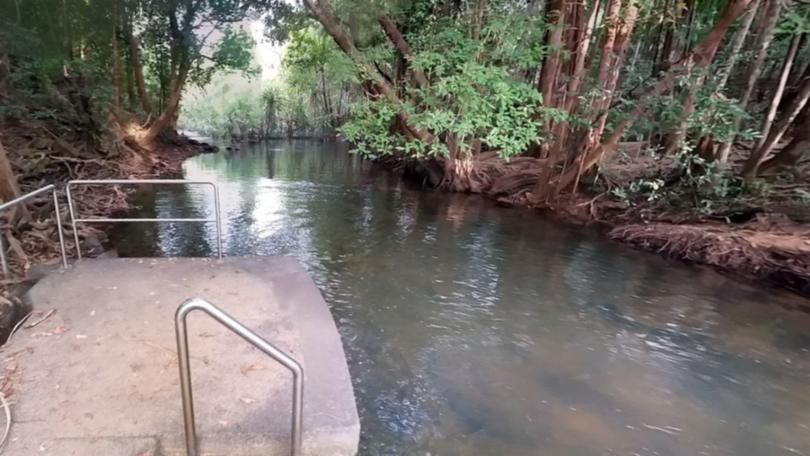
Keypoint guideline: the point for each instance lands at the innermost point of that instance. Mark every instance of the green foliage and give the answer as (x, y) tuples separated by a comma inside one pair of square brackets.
[(234, 52), (319, 75), (369, 130), (649, 189), (228, 107), (477, 90), (715, 115), (796, 19)]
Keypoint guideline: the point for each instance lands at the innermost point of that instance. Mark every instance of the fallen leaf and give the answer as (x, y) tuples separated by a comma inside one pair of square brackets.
[(250, 367)]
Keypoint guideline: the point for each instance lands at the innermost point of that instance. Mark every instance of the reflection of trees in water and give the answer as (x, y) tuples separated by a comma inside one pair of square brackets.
[(187, 239), (168, 239)]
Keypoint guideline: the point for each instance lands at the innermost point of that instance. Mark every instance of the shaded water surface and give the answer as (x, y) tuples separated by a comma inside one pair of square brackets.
[(477, 330)]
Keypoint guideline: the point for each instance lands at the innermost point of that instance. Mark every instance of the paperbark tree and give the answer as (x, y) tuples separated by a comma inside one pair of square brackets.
[(764, 37), (766, 143), (699, 58)]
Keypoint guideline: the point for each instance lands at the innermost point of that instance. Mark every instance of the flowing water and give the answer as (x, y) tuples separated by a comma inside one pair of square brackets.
[(478, 330)]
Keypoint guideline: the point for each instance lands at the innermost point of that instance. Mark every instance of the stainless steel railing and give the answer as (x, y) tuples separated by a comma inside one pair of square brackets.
[(26, 197), (255, 340), (74, 220)]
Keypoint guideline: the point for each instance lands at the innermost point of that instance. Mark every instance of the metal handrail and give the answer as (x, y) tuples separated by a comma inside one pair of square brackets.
[(26, 197), (242, 331), (217, 218)]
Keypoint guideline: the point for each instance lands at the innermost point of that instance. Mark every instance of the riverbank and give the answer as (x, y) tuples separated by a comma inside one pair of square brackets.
[(762, 233), (772, 249), (40, 157)]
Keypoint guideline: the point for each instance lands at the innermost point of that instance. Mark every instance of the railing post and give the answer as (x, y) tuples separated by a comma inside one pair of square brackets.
[(59, 228), (3, 255), (219, 220), (181, 332), (22, 199), (73, 222), (185, 378)]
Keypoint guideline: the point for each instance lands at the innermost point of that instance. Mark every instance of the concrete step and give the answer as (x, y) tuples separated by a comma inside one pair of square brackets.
[(104, 364), (44, 446)]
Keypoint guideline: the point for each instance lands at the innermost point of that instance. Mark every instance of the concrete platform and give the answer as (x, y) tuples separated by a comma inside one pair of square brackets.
[(100, 376)]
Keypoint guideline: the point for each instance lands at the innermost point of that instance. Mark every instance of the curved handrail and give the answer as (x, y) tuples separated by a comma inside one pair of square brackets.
[(257, 341), (48, 188)]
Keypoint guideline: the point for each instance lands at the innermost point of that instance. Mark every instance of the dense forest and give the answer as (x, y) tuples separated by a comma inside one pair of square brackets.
[(633, 112)]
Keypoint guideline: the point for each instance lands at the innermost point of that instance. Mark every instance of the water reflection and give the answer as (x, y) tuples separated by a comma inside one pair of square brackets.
[(477, 330)]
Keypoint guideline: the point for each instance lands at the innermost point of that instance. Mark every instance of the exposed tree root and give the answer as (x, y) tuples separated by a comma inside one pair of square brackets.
[(781, 257), (40, 157)]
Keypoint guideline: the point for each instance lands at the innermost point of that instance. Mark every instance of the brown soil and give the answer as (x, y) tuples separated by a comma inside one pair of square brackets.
[(41, 157)]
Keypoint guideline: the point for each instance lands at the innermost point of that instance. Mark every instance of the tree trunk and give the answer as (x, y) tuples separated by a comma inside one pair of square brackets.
[(771, 17), (551, 64), (8, 180), (677, 137), (116, 76), (766, 143), (402, 46), (480, 15), (701, 57), (601, 102), (793, 152), (578, 43), (137, 68), (168, 117), (737, 43), (581, 54), (327, 108), (706, 144), (4, 72), (322, 11), (663, 59), (798, 104), (616, 56)]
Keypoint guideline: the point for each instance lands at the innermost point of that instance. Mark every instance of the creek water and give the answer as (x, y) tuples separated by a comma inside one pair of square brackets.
[(477, 330)]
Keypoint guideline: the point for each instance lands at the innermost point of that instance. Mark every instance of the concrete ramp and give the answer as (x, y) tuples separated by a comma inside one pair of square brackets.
[(100, 376)]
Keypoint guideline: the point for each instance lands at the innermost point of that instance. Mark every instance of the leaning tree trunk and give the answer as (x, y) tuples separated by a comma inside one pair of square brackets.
[(737, 43), (168, 117), (766, 143), (797, 106), (322, 12), (396, 38), (793, 152), (705, 147), (763, 41)]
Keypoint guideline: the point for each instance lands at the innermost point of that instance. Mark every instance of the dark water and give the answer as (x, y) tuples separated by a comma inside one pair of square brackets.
[(476, 330)]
